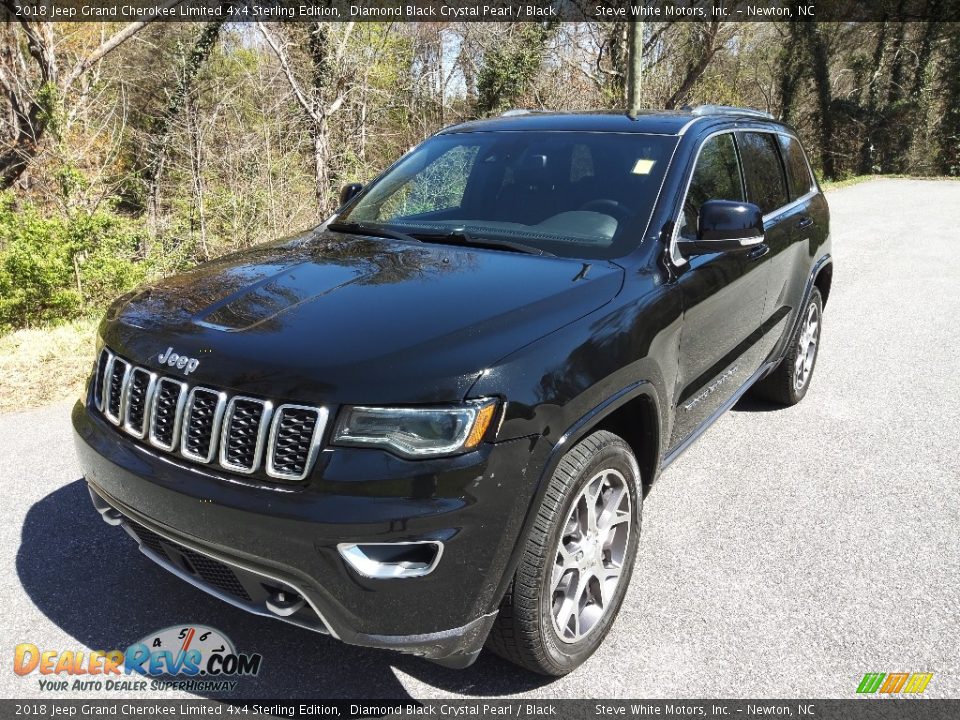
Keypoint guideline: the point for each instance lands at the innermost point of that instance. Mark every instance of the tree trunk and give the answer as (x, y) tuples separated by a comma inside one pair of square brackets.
[(635, 68), (930, 32), (791, 71), (696, 69), (820, 65), (872, 90), (321, 164), (160, 131)]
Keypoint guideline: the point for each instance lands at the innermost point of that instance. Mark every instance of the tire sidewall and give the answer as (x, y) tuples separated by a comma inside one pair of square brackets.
[(566, 656)]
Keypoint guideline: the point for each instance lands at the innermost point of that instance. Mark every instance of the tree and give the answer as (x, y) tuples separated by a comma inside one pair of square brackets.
[(32, 107), (323, 95), (510, 66)]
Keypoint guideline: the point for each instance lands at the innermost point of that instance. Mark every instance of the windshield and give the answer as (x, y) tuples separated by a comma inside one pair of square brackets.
[(573, 194)]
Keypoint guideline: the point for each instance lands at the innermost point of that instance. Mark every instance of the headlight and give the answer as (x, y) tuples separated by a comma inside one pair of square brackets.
[(416, 432)]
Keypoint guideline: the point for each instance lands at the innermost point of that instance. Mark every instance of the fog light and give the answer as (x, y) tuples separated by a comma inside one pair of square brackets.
[(392, 560)]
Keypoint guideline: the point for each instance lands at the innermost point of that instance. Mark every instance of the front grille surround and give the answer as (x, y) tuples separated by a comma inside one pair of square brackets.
[(130, 409), (242, 434), (228, 433), (273, 469), (160, 405), (115, 388), (99, 377)]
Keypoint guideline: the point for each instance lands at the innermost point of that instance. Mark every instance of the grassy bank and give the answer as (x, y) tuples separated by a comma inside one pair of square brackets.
[(44, 365)]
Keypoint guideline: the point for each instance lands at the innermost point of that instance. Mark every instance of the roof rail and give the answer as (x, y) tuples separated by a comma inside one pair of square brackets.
[(513, 112), (730, 110)]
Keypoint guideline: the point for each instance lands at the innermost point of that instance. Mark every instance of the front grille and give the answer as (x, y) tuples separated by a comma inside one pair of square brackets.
[(206, 568), (118, 372), (293, 441), (201, 420), (139, 391), (167, 405), (205, 425), (244, 428), (105, 357)]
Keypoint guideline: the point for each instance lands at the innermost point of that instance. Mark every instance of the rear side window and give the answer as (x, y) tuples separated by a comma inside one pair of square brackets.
[(716, 177), (766, 185), (798, 172)]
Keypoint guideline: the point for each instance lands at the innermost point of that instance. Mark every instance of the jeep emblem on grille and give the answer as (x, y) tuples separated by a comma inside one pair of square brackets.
[(181, 362)]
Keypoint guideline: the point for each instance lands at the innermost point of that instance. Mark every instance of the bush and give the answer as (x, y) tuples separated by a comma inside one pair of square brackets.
[(54, 268)]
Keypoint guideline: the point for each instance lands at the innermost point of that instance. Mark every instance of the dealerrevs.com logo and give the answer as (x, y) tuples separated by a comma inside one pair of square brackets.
[(894, 683), (199, 658)]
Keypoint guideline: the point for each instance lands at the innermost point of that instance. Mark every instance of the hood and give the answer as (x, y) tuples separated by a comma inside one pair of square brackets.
[(333, 318)]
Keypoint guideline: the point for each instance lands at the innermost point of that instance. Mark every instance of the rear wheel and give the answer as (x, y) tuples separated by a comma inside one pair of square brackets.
[(577, 563), (789, 383)]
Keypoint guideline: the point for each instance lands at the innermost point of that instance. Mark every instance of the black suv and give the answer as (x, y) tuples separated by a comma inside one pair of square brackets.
[(429, 423)]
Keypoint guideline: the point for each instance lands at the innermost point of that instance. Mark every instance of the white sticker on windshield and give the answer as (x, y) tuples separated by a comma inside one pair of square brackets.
[(643, 166)]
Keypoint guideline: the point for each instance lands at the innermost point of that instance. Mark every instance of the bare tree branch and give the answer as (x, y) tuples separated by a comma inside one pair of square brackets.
[(291, 78)]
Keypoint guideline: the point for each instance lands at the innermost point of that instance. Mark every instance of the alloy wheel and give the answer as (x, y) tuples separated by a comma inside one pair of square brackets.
[(807, 347), (588, 560)]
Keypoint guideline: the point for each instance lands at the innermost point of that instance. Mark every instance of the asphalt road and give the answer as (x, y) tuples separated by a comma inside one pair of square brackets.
[(784, 555)]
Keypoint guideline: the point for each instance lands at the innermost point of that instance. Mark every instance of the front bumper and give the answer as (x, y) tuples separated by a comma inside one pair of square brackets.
[(284, 538)]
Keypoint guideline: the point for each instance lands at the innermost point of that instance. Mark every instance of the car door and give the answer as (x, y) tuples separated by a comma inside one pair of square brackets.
[(804, 216), (767, 187), (723, 295)]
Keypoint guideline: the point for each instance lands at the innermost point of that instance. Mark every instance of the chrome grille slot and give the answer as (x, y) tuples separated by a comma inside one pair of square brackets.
[(117, 375), (244, 427), (99, 376), (294, 441), (139, 392), (168, 400), (201, 423)]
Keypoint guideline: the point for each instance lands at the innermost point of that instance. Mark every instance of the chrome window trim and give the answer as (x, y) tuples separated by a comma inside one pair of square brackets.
[(214, 428), (673, 252), (318, 429), (261, 434), (108, 386), (177, 418), (147, 400)]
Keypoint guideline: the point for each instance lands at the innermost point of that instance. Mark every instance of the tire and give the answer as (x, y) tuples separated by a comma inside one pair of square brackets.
[(529, 629), (788, 384)]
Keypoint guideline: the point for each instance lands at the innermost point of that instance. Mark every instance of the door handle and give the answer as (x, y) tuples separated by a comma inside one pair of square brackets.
[(758, 252), (804, 223)]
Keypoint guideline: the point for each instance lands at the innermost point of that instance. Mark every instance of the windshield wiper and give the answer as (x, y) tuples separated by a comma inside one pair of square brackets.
[(458, 237), (356, 228)]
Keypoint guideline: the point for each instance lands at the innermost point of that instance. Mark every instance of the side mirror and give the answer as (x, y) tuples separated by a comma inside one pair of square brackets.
[(725, 225), (348, 192)]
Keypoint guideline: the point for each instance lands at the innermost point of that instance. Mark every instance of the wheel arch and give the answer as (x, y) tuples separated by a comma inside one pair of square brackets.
[(823, 280), (637, 403)]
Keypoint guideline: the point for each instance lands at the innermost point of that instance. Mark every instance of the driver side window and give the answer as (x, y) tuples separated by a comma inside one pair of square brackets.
[(716, 177)]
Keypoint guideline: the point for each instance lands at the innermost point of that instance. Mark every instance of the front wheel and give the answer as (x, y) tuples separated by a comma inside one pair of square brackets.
[(577, 563), (790, 381)]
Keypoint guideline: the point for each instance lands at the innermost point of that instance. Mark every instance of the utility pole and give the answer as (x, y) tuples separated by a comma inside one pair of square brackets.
[(634, 67)]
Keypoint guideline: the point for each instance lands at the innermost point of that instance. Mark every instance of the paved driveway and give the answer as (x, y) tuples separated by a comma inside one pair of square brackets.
[(784, 555)]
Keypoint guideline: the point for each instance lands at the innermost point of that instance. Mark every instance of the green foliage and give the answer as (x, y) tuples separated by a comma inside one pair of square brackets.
[(509, 69), (54, 268)]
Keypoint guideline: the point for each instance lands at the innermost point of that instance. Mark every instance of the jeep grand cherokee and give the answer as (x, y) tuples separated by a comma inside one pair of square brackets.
[(429, 423)]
